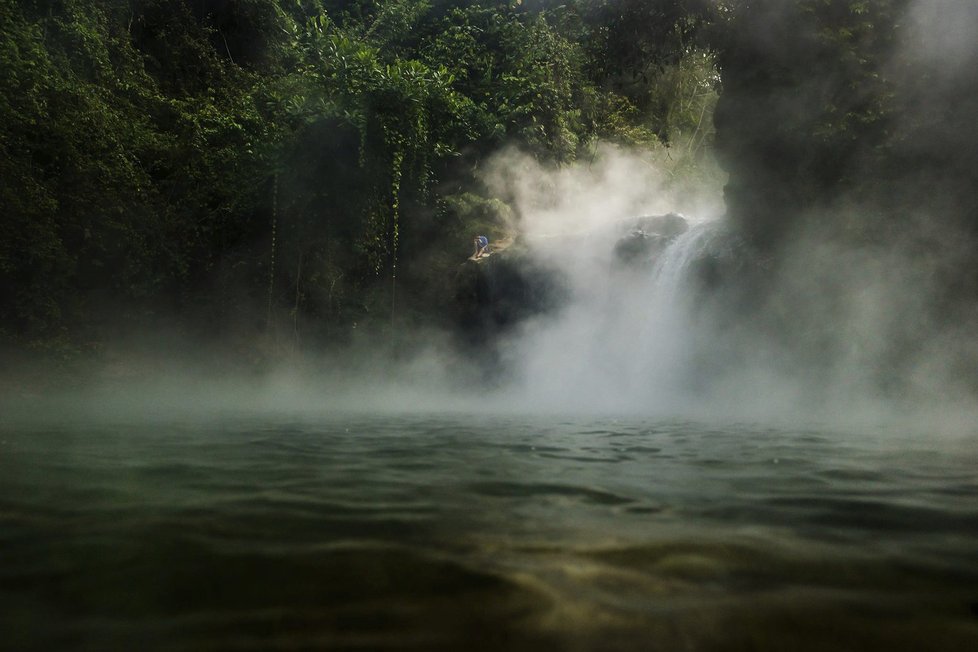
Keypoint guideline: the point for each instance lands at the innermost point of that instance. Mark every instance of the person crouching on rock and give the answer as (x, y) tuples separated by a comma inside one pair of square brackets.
[(481, 243)]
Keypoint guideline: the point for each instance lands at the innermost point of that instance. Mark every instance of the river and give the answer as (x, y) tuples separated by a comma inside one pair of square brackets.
[(479, 532)]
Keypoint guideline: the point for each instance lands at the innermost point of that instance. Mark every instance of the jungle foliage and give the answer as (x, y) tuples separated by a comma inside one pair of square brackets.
[(831, 102), (240, 165), (848, 130), (303, 167)]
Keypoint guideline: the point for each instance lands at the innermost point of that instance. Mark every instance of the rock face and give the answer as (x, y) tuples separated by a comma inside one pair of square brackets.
[(644, 238), (494, 294)]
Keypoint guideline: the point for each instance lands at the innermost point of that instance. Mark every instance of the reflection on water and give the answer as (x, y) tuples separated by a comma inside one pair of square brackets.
[(447, 532)]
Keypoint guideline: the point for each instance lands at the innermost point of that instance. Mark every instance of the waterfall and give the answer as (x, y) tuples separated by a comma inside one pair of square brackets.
[(626, 337), (673, 264)]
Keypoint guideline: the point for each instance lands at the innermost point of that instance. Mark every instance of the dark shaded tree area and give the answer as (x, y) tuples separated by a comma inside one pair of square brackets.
[(804, 105), (133, 158), (849, 127), (826, 102), (239, 165), (303, 167)]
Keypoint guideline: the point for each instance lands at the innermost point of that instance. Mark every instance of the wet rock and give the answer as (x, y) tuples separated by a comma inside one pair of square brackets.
[(669, 225), (493, 294), (645, 238)]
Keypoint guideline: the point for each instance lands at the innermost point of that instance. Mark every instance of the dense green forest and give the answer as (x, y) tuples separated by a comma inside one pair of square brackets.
[(238, 164), (233, 167), (848, 129)]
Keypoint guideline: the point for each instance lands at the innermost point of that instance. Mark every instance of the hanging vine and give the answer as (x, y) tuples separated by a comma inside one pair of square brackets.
[(271, 262), (396, 169)]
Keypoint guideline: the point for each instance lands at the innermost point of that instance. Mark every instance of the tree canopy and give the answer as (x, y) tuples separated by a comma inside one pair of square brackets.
[(241, 162), (233, 165)]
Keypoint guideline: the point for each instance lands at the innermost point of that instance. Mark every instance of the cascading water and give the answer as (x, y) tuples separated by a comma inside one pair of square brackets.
[(625, 339), (673, 265)]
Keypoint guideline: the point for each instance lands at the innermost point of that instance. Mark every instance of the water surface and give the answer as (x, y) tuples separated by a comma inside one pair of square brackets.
[(478, 532)]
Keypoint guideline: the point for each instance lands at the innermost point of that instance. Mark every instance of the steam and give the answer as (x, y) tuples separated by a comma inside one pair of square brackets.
[(843, 331), (612, 185), (942, 34), (865, 303), (626, 338)]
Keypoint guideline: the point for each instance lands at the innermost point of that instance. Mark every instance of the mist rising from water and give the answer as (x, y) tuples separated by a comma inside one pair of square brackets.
[(642, 340), (862, 305), (630, 340), (645, 339), (627, 337)]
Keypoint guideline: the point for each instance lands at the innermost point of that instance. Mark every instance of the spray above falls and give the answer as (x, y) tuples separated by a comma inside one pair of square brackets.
[(625, 338), (622, 337)]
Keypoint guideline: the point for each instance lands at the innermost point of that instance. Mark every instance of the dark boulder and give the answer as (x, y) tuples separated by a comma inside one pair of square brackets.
[(494, 294), (645, 238)]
